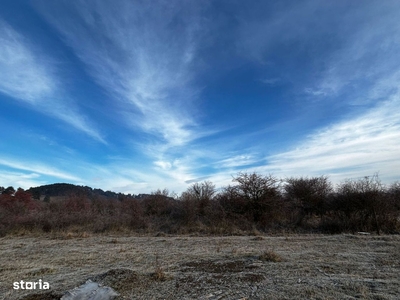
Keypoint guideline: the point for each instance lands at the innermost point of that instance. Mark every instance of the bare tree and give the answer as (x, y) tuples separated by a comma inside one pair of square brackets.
[(202, 191), (259, 192), (201, 194)]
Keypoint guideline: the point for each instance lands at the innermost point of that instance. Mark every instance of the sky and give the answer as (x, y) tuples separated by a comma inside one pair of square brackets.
[(134, 96)]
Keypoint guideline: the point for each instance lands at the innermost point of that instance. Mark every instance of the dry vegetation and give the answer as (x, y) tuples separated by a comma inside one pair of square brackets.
[(196, 267), (256, 203)]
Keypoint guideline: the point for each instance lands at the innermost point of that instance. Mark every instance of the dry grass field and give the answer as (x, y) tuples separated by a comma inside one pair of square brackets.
[(192, 267)]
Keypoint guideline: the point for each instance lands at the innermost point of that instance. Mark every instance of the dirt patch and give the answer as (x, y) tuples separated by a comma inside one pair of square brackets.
[(219, 266)]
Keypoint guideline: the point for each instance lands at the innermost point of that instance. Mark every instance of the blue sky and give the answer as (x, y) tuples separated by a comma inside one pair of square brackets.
[(132, 96)]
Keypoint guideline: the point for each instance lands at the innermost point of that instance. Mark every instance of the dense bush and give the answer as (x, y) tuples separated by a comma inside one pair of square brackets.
[(307, 197), (253, 203), (365, 205)]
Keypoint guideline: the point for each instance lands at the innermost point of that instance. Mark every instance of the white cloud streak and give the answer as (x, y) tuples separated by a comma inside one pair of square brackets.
[(368, 52), (23, 76), (26, 75), (141, 54), (237, 161), (19, 179), (351, 44), (363, 146), (37, 168), (127, 177)]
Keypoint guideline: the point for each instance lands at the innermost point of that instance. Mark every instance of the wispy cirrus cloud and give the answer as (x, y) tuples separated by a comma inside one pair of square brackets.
[(358, 147), (28, 76), (237, 161), (24, 76), (126, 176), (36, 168), (141, 54), (367, 54), (351, 45), (20, 179)]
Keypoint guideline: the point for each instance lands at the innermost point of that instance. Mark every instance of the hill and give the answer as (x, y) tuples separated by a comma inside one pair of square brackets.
[(67, 189)]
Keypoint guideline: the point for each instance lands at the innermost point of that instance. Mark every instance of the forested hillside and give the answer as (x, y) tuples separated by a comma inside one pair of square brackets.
[(66, 189)]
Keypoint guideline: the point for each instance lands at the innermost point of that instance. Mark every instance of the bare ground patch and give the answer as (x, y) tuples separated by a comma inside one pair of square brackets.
[(184, 267)]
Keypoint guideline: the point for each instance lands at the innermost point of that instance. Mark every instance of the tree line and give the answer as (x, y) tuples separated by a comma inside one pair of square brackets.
[(253, 203)]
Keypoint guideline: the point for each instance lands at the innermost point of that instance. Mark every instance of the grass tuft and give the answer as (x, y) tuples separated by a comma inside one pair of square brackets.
[(159, 274), (271, 256)]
